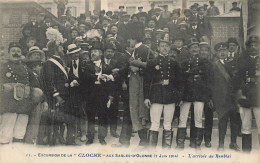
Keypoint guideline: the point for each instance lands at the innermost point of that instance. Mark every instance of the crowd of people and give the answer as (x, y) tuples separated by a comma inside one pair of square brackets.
[(65, 74)]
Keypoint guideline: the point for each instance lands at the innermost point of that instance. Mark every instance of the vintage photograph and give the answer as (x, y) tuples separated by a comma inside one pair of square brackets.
[(129, 81)]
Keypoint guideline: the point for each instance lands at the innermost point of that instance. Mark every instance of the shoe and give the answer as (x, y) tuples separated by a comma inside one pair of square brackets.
[(83, 138), (221, 148), (246, 143), (167, 139), (18, 140), (234, 146), (180, 139), (153, 138), (120, 145), (71, 142), (90, 141), (199, 137), (143, 137), (102, 142), (61, 139), (114, 134), (208, 144), (192, 144), (4, 143)]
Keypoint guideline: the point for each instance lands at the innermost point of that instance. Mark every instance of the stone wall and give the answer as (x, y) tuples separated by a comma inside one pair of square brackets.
[(13, 16), (223, 28)]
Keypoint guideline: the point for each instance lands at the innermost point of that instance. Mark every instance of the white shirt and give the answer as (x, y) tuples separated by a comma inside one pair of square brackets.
[(194, 27), (107, 61), (231, 54), (174, 21), (222, 61), (75, 70), (136, 46), (98, 64), (157, 17)]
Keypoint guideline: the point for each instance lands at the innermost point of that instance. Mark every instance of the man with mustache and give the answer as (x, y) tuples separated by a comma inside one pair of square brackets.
[(248, 77), (195, 91), (17, 96), (222, 88)]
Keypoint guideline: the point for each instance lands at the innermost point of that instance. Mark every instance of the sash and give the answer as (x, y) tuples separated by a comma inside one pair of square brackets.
[(223, 71), (59, 65)]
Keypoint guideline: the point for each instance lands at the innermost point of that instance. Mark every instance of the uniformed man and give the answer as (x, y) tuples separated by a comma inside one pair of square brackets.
[(195, 77), (205, 54), (162, 90), (249, 75), (18, 97)]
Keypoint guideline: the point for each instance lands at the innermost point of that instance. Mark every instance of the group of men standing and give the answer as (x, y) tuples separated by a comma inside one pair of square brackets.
[(173, 75)]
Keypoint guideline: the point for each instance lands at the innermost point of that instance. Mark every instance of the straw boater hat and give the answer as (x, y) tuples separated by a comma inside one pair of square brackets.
[(72, 48), (36, 49)]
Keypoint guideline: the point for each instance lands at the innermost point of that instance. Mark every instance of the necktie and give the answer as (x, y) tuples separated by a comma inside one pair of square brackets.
[(74, 64)]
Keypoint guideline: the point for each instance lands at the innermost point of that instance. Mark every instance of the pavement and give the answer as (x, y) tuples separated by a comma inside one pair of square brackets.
[(18, 152)]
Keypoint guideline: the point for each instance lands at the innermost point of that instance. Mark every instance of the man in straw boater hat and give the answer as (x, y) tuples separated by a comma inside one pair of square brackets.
[(56, 87), (162, 91), (75, 72), (222, 89), (99, 80), (35, 131), (249, 75), (18, 96)]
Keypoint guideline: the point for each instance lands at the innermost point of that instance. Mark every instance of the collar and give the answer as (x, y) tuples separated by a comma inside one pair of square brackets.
[(56, 56), (222, 61), (194, 27), (163, 55), (253, 57), (107, 60), (77, 61), (138, 45), (97, 63), (128, 52)]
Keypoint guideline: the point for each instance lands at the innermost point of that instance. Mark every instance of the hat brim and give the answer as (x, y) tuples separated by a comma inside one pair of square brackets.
[(193, 44), (74, 51), (36, 51), (160, 41)]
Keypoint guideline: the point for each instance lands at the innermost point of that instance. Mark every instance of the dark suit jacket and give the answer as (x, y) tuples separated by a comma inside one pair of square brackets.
[(173, 28), (98, 93), (55, 80), (222, 90), (204, 26), (194, 32)]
